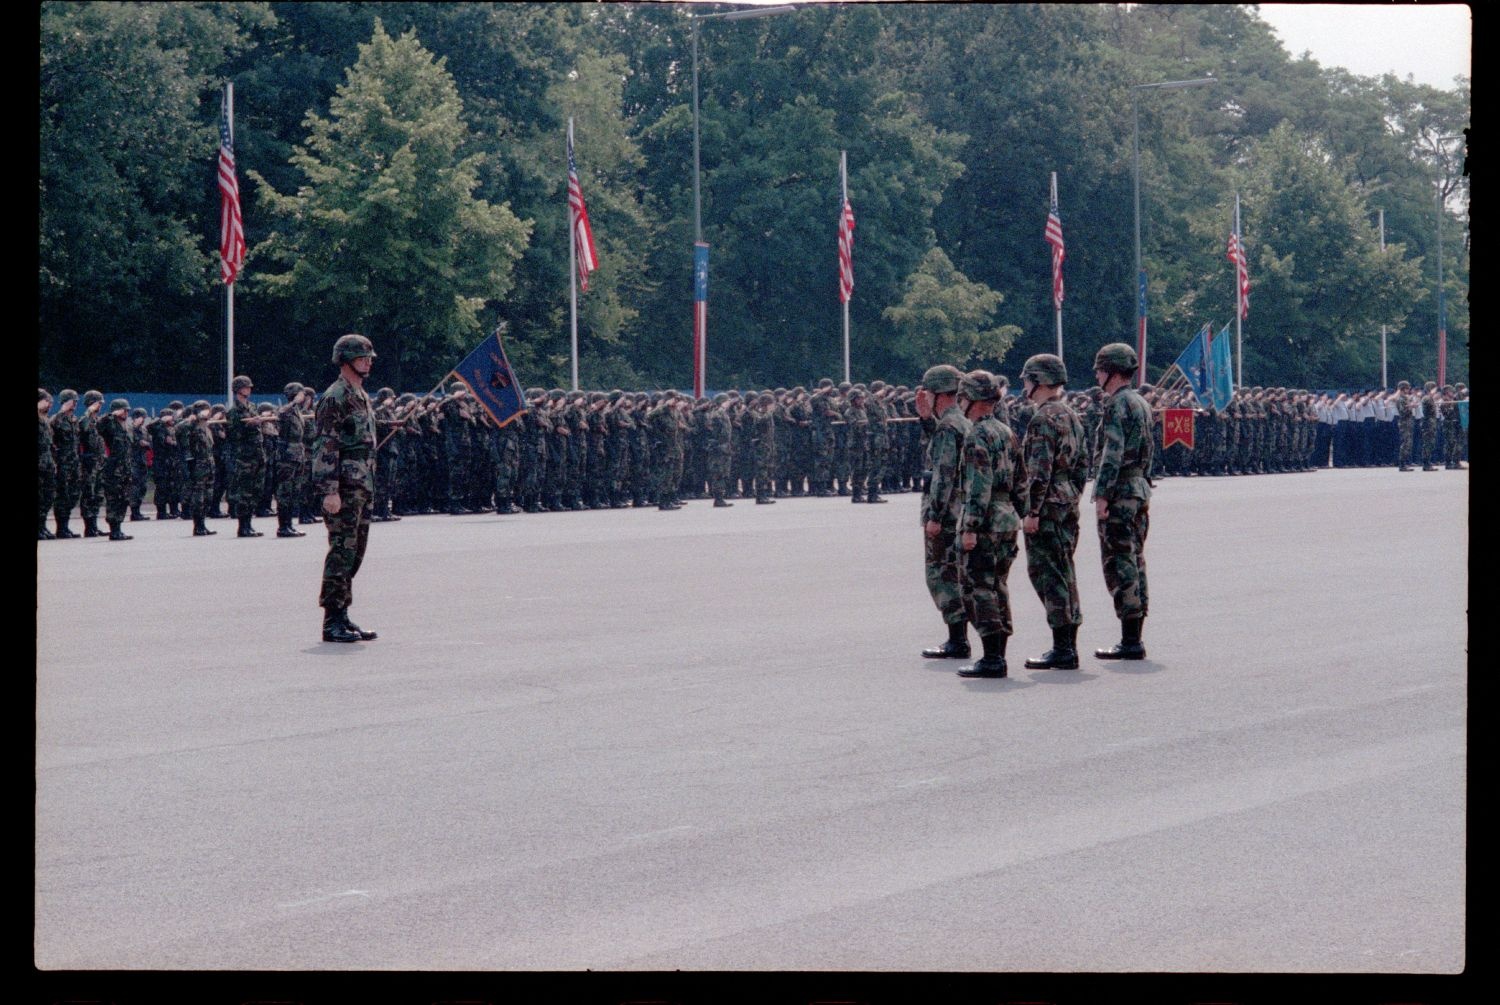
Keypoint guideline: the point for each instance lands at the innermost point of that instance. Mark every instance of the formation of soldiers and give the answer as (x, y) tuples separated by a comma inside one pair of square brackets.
[(574, 450)]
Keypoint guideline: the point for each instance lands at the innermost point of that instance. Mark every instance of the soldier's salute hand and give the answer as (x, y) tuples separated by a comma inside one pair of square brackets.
[(332, 504)]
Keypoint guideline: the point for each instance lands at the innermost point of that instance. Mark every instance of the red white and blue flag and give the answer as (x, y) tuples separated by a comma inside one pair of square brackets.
[(231, 224), (1236, 254), (846, 253), (583, 235), (1054, 237)]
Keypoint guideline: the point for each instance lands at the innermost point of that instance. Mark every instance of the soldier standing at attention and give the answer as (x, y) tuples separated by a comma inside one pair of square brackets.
[(291, 458), (245, 463), (1122, 495), (343, 471), (1052, 452), (987, 522), (63, 432), (46, 465), (91, 454), (115, 475), (940, 510)]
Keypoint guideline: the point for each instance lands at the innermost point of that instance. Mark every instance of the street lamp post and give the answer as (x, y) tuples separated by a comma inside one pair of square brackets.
[(700, 249), (1135, 146), (1442, 360)]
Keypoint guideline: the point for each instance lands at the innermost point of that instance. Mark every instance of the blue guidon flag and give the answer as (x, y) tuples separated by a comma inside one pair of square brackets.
[(487, 374)]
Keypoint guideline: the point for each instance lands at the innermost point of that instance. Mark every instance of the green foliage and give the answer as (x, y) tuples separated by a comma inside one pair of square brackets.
[(386, 237), (944, 316)]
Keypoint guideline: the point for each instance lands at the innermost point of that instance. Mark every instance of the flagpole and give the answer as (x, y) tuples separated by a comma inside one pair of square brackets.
[(573, 271), (1239, 299), (844, 188), (1057, 307), (1385, 380), (229, 287)]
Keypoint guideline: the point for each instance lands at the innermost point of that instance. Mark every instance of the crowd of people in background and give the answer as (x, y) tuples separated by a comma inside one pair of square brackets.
[(575, 450)]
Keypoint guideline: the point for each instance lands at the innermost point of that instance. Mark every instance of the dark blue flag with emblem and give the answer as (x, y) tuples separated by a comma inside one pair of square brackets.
[(1221, 370), (1193, 364), (487, 374)]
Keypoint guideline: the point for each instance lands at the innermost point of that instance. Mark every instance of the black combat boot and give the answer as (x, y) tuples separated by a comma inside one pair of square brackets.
[(992, 663), (720, 502), (62, 530), (764, 501), (116, 534), (246, 530), (164, 511), (957, 646), (1064, 652), (136, 514), (363, 635), (42, 533), (200, 528), (91, 526), (873, 498), (1130, 647), (857, 496), (335, 628), (284, 519)]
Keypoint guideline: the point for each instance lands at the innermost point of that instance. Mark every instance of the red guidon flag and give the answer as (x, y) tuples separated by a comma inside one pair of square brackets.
[(1177, 427)]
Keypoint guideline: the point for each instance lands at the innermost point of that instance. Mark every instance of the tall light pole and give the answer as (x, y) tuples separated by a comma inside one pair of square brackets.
[(1442, 360), (700, 249), (1135, 146)]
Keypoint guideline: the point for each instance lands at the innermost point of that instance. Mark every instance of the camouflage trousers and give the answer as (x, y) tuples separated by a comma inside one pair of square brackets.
[(1406, 428), (68, 485), (348, 535), (1122, 546), (984, 572), (197, 489), (943, 579), (46, 488), (247, 479), (115, 481), (291, 471), (90, 493), (1049, 564)]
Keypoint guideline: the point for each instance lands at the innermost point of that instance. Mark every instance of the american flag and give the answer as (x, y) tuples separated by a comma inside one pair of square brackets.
[(846, 253), (1236, 255), (231, 224), (1054, 237), (583, 234)]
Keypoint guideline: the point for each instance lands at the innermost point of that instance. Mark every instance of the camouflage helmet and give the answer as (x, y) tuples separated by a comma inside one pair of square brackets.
[(241, 383), (350, 348), (292, 390), (942, 379), (385, 393), (978, 385), (199, 406), (1403, 385), (825, 381), (137, 413), (616, 395), (119, 403), (265, 406), (1045, 368), (1447, 388), (1431, 385), (1117, 357), (90, 397), (66, 395), (174, 403), (721, 398), (42, 395)]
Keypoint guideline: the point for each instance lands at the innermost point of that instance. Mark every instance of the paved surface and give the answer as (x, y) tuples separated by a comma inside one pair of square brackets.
[(634, 740)]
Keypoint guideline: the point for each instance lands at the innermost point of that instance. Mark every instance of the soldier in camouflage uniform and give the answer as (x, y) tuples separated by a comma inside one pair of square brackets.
[(140, 466), (196, 441), (857, 441), (291, 458), (940, 509), (389, 435), (166, 468), (987, 522), (46, 465), (763, 445), (1122, 496), (1452, 431), (719, 446), (270, 452), (63, 431), (1430, 411), (246, 460), (666, 450), (343, 472), (1055, 470), (91, 459), (114, 474)]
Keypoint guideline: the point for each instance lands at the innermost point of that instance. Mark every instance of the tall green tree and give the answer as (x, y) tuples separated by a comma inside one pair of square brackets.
[(386, 236)]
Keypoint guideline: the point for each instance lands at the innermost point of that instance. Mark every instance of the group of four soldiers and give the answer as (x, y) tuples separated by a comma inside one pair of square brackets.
[(987, 484)]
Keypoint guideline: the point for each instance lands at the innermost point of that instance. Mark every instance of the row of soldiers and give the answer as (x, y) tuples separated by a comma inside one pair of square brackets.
[(1270, 430)]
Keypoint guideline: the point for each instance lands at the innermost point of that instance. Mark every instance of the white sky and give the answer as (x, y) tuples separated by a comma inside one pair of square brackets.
[(1430, 42)]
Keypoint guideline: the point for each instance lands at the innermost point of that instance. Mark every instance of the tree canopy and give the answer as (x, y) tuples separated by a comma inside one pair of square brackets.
[(402, 173)]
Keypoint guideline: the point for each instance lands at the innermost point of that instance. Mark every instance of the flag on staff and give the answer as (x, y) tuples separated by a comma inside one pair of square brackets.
[(1054, 237), (487, 374), (231, 224), (846, 252), (578, 213), (700, 317), (1195, 367), (1236, 254), (1221, 370)]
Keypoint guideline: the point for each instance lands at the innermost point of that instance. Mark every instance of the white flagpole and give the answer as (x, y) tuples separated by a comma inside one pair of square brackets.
[(229, 287), (573, 265), (1239, 295), (1056, 307), (844, 188), (1385, 380)]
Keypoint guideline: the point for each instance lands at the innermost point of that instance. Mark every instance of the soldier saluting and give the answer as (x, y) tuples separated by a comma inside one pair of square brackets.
[(343, 472)]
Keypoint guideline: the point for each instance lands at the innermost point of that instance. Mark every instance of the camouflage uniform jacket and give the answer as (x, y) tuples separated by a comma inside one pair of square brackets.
[(244, 436), (988, 481), (343, 452), (291, 422), (1052, 453), (1124, 447), (944, 452)]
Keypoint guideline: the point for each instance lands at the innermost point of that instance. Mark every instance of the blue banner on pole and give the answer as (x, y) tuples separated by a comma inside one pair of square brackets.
[(1140, 297), (487, 374), (700, 273), (1221, 367), (1193, 363)]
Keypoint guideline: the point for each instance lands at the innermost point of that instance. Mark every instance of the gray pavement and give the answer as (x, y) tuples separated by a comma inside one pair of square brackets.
[(633, 740)]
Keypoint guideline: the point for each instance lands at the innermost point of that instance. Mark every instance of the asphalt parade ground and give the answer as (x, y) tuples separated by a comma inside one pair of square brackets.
[(704, 740)]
